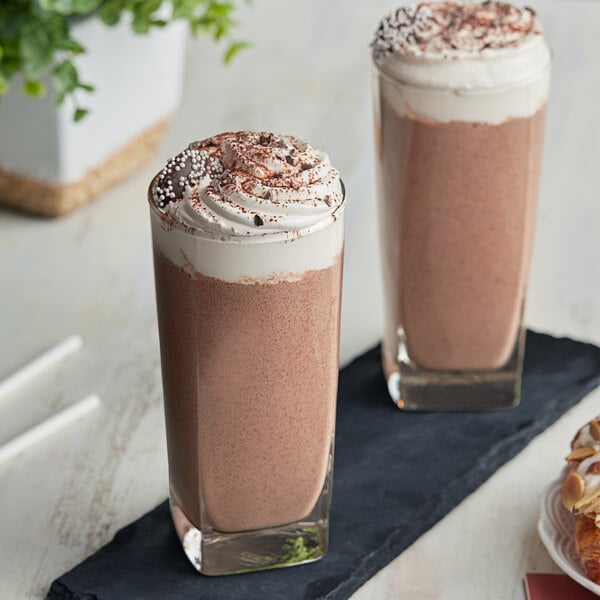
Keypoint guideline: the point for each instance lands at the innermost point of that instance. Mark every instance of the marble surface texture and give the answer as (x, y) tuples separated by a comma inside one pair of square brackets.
[(308, 73)]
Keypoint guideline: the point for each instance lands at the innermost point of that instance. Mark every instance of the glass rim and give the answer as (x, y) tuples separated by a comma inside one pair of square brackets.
[(465, 91), (236, 238)]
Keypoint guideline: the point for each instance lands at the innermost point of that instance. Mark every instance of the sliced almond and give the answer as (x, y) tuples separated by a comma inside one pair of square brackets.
[(597, 519), (594, 468), (581, 453), (572, 490), (594, 507), (595, 429), (587, 498), (575, 441)]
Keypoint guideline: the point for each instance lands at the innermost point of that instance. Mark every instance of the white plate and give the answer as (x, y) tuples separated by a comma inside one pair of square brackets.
[(556, 531)]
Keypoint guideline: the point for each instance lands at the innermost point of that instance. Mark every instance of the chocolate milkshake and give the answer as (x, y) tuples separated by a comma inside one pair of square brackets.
[(461, 91), (248, 232)]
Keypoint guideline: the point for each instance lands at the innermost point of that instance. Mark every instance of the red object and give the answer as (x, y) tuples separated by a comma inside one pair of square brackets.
[(546, 586)]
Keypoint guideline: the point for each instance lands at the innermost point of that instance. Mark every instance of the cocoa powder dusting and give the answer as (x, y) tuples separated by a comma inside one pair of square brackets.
[(450, 28)]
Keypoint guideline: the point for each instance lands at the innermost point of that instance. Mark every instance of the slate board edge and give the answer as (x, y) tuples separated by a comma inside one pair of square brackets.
[(397, 542), (436, 511)]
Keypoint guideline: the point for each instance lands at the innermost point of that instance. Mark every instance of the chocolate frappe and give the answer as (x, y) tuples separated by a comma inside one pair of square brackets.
[(465, 235), (248, 235), (461, 92), (249, 428)]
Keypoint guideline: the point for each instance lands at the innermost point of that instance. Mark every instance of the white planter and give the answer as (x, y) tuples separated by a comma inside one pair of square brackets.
[(49, 164)]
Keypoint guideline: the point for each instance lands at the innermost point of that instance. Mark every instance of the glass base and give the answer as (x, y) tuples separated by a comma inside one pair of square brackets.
[(412, 388), (215, 553)]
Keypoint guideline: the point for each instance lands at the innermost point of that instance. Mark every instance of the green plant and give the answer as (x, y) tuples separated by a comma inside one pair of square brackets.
[(36, 40), (300, 548)]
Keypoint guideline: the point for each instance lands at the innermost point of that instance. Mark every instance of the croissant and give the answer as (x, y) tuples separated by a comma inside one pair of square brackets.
[(581, 496)]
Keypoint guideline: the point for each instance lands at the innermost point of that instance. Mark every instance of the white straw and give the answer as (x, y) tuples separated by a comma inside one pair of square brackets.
[(38, 365), (46, 428)]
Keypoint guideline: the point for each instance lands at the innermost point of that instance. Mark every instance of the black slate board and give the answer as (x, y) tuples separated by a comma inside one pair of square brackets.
[(386, 493)]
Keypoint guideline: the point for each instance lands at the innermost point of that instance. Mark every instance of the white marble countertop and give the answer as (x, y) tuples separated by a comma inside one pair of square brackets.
[(90, 273)]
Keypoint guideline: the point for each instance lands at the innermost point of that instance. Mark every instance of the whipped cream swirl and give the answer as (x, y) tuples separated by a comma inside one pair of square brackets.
[(248, 184), (424, 50), (454, 29)]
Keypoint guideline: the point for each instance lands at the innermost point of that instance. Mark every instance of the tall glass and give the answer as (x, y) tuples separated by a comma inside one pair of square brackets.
[(249, 335), (458, 173)]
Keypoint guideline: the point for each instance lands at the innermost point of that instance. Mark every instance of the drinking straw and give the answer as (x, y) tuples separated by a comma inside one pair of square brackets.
[(38, 365), (49, 426)]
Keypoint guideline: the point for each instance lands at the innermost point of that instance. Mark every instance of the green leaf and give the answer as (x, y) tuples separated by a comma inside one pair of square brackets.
[(36, 50), (141, 25), (184, 9), (219, 31), (56, 28), (67, 74), (12, 60), (64, 80), (217, 9), (147, 7), (79, 114), (3, 85), (70, 7), (86, 86), (70, 45), (35, 89), (110, 12), (11, 48), (233, 49)]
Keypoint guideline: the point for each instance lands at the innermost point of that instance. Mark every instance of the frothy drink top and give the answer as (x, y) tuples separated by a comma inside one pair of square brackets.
[(248, 206), (497, 43), (453, 28), (248, 184)]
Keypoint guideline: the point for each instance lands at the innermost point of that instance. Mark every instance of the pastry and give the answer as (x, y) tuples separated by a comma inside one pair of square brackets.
[(581, 496)]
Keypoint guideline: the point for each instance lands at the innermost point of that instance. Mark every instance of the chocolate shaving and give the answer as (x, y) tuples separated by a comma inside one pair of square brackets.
[(258, 221)]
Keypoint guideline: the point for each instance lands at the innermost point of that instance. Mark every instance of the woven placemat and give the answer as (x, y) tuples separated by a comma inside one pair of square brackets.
[(385, 494)]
